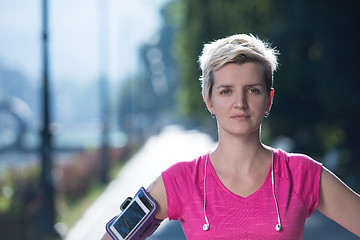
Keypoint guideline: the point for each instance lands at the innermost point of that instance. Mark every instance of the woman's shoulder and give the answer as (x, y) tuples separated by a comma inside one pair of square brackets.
[(295, 159), (185, 174), (186, 167), (296, 166), (180, 180), (301, 174)]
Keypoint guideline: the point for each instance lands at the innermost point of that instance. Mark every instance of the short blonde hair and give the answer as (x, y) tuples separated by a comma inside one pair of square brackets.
[(240, 48)]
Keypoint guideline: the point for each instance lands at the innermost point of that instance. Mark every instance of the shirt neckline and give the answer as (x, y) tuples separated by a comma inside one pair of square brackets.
[(236, 197)]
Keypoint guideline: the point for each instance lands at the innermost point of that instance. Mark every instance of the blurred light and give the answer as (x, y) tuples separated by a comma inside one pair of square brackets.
[(7, 192), (314, 53), (331, 159), (284, 143), (154, 54), (61, 228), (159, 85)]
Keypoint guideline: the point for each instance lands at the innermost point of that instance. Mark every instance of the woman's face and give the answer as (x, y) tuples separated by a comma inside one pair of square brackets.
[(239, 98)]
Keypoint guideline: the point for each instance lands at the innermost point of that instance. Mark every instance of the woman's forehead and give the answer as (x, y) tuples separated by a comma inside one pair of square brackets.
[(235, 74)]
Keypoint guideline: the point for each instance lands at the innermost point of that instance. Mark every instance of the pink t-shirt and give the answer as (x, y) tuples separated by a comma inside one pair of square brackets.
[(297, 182)]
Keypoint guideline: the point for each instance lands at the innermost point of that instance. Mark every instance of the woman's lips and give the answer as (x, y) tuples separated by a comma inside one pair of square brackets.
[(240, 117)]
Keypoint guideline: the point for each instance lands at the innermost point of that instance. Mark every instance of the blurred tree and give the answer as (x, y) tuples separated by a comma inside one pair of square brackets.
[(147, 99), (316, 100), (316, 85)]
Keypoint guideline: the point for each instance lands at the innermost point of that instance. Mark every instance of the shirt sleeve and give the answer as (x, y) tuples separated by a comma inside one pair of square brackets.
[(178, 187), (306, 173)]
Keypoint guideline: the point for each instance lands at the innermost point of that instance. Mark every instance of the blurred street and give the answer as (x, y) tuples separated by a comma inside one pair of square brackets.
[(173, 144), (159, 152)]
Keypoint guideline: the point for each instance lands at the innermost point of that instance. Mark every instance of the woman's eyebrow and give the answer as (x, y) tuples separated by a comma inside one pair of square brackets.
[(249, 85), (224, 86), (256, 85)]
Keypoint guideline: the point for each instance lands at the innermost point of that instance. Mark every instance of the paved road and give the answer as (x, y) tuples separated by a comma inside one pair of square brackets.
[(170, 146)]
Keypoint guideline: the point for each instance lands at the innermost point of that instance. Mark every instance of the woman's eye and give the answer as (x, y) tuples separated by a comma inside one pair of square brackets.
[(225, 91), (254, 90)]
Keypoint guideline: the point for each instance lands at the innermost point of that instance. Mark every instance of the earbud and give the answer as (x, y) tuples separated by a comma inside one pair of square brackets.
[(278, 227), (206, 227)]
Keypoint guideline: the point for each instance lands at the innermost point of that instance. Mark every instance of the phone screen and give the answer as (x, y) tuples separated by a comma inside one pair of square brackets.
[(131, 217)]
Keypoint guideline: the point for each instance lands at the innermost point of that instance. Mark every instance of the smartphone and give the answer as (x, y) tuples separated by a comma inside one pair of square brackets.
[(136, 220)]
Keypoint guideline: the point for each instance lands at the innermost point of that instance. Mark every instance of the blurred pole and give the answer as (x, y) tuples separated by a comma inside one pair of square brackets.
[(47, 211), (104, 89)]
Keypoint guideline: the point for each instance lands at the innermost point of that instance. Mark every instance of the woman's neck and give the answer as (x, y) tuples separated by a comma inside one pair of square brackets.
[(239, 153)]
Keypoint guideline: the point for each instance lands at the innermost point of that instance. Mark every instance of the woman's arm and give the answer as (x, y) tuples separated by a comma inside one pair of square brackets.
[(338, 202), (157, 191)]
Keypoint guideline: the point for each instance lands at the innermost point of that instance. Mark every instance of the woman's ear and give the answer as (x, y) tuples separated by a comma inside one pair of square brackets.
[(208, 105), (272, 92)]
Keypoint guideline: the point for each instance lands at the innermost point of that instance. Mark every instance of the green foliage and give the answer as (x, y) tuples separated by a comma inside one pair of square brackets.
[(21, 197), (19, 203)]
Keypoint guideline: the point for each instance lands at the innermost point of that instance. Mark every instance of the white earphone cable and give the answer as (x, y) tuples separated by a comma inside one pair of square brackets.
[(278, 227), (206, 226)]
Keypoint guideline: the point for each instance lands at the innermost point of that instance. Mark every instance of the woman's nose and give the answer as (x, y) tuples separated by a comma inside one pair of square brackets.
[(241, 101)]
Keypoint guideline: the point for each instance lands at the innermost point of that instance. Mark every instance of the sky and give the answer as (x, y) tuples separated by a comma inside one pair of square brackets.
[(86, 38), (76, 49)]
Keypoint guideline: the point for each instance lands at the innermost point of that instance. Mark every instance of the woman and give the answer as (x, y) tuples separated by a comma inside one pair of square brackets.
[(244, 189)]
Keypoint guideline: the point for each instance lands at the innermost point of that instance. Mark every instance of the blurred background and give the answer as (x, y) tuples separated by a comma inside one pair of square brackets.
[(83, 84)]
